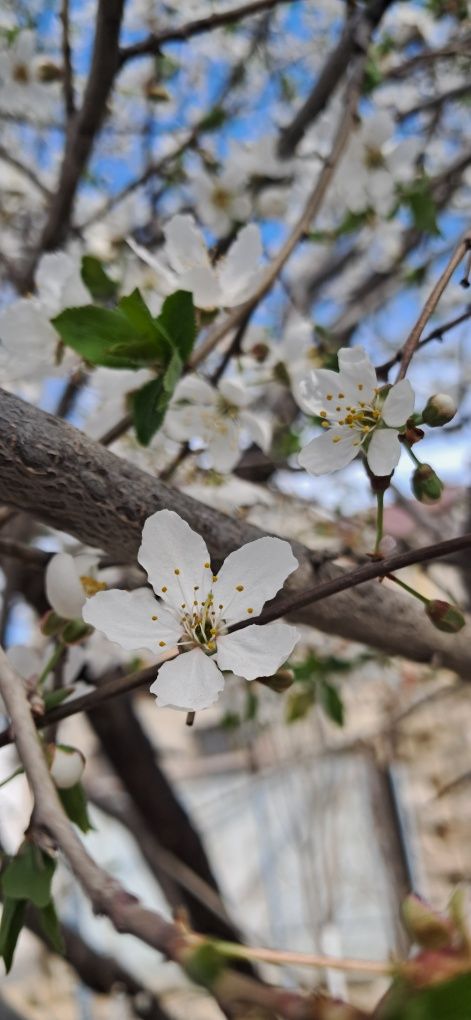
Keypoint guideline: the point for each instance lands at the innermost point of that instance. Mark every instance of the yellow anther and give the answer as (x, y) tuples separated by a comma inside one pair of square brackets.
[(329, 396), (360, 386), (338, 408), (336, 439), (325, 424), (215, 577), (195, 603), (195, 587), (207, 564), (176, 571), (250, 610), (362, 403), (183, 605), (220, 606), (154, 618), (163, 589), (341, 396), (162, 644), (239, 587), (322, 414), (90, 585)]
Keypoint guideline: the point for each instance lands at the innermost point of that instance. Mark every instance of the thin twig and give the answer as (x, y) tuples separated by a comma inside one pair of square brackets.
[(69, 95), (312, 206), (153, 43), (383, 370), (431, 303)]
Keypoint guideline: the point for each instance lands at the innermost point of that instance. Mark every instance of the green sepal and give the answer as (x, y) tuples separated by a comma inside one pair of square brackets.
[(74, 803), (29, 874), (10, 927)]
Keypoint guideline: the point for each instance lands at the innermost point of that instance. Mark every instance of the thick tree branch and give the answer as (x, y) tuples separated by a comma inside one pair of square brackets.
[(84, 127), (70, 482)]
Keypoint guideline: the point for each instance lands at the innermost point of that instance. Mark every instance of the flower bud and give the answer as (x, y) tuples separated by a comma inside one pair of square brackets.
[(280, 682), (445, 616), (426, 484), (439, 410), (66, 765), (52, 624), (426, 926), (75, 631), (387, 545), (48, 70)]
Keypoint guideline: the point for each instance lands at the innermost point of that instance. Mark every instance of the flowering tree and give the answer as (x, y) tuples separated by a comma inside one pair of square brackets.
[(224, 240)]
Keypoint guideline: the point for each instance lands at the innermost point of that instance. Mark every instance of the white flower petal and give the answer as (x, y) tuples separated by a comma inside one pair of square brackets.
[(384, 451), (260, 567), (320, 392), (185, 244), (175, 559), (195, 389), (257, 650), (223, 443), (399, 404), (127, 618), (330, 451), (241, 263), (64, 590), (259, 427), (191, 681), (167, 280), (236, 392), (356, 368), (204, 285)]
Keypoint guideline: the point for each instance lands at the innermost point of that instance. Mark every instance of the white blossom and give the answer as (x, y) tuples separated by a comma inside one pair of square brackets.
[(221, 200), (218, 417), (192, 609), (186, 265), (68, 580), (357, 415)]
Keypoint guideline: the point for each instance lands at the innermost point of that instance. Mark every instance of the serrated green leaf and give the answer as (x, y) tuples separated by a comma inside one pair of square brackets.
[(177, 321), (100, 285), (74, 803), (51, 927), (135, 310), (10, 927), (331, 702), (149, 405), (28, 876), (97, 334)]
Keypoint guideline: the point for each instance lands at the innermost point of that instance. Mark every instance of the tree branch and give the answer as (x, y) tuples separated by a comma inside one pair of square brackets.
[(68, 481), (153, 43)]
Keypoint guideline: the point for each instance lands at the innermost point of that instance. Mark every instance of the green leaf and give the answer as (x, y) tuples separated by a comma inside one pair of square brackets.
[(51, 927), (100, 285), (177, 320), (373, 76), (449, 1000), (150, 403), (53, 698), (331, 702), (74, 803), (298, 705), (10, 927), (28, 876), (126, 337)]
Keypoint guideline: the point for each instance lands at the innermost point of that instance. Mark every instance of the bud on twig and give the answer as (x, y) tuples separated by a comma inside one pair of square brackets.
[(426, 485), (279, 682), (439, 410), (427, 927), (445, 616), (66, 765)]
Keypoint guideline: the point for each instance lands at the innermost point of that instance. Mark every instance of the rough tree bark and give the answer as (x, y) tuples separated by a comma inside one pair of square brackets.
[(70, 482)]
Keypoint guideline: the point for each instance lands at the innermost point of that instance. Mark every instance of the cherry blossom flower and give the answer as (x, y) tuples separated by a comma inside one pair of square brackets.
[(221, 200), (186, 265), (68, 580), (193, 608), (218, 417), (357, 415)]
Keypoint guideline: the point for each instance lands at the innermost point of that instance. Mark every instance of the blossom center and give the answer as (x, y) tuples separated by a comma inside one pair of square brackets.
[(360, 416)]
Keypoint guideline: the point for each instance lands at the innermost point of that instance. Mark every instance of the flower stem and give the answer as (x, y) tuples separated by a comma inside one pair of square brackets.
[(51, 663), (379, 519), (408, 588), (412, 455), (231, 950)]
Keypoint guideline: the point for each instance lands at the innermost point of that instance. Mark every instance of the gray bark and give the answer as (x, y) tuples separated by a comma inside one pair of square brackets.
[(68, 481)]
